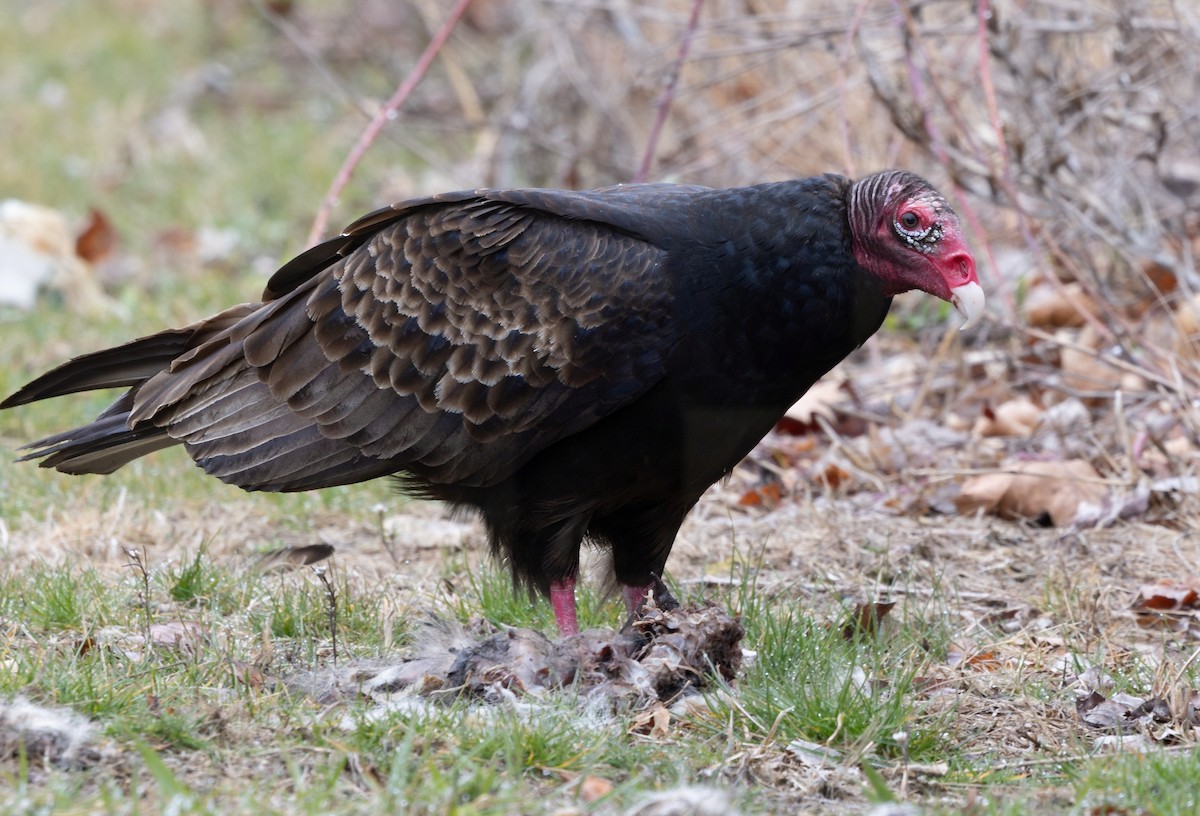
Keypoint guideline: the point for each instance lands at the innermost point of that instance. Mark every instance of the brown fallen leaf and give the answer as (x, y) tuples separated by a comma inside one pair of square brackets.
[(1181, 328), (592, 788), (1169, 596), (1121, 711), (1052, 491), (833, 476), (1167, 604), (1018, 417), (96, 240), (866, 618), (1097, 711), (820, 400), (1048, 306), (983, 493), (1084, 368), (962, 654), (768, 495), (38, 248), (654, 722), (184, 636), (248, 674)]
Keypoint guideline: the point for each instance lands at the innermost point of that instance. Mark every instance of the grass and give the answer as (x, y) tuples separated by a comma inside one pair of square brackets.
[(161, 707), (187, 724)]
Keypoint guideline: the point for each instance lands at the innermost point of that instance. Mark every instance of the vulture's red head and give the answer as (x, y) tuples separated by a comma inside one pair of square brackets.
[(906, 234)]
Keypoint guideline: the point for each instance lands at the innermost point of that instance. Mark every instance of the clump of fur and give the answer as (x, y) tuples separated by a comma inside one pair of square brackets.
[(661, 656), (54, 736)]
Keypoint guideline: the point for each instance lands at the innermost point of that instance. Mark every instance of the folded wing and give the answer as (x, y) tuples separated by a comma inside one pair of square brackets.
[(453, 337)]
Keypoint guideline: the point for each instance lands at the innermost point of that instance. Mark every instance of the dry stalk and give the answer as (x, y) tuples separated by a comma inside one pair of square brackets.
[(331, 605), (137, 561), (668, 94), (385, 114)]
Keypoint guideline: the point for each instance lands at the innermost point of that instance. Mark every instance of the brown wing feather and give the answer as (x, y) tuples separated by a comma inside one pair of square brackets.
[(457, 336)]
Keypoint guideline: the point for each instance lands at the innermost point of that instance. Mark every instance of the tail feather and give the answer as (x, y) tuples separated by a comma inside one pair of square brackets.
[(114, 438), (101, 446), (198, 387), (118, 367)]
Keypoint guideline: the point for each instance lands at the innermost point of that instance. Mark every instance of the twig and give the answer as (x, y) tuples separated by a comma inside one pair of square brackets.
[(386, 113), (843, 81), (311, 54), (1134, 472), (331, 605), (1115, 362), (937, 145), (931, 372), (668, 94), (137, 560), (472, 107)]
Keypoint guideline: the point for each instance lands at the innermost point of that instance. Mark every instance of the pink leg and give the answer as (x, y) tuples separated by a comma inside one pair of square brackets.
[(562, 600), (635, 596)]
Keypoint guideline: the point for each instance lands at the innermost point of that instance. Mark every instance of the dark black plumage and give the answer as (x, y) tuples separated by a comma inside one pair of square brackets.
[(575, 365)]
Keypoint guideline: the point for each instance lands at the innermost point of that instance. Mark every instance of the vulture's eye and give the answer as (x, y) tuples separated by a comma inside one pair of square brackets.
[(909, 220)]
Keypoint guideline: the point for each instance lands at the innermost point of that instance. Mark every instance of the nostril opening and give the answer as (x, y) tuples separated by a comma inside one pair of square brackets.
[(962, 265)]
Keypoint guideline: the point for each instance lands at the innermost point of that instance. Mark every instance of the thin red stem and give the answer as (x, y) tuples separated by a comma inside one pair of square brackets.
[(843, 79), (387, 112), (668, 94)]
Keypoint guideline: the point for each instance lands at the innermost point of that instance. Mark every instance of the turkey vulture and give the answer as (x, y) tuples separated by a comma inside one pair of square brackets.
[(576, 366)]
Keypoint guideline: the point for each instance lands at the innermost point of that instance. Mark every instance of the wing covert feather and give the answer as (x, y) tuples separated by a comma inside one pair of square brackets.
[(461, 336)]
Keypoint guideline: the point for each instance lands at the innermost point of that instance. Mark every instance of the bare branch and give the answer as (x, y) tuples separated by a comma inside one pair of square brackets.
[(668, 94), (386, 113)]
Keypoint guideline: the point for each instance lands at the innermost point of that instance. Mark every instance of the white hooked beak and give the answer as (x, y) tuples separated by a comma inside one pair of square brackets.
[(969, 301)]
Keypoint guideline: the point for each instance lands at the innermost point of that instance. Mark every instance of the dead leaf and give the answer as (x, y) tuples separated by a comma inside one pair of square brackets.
[(1048, 306), (96, 240), (592, 788), (184, 636), (1121, 712), (866, 618), (1018, 417), (654, 722), (1053, 491), (970, 654), (1169, 605), (983, 493), (1122, 742), (1161, 278), (820, 400), (248, 674), (1168, 595), (1097, 711), (833, 476), (1084, 367), (1002, 618), (38, 248), (768, 495), (1183, 329), (814, 754)]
